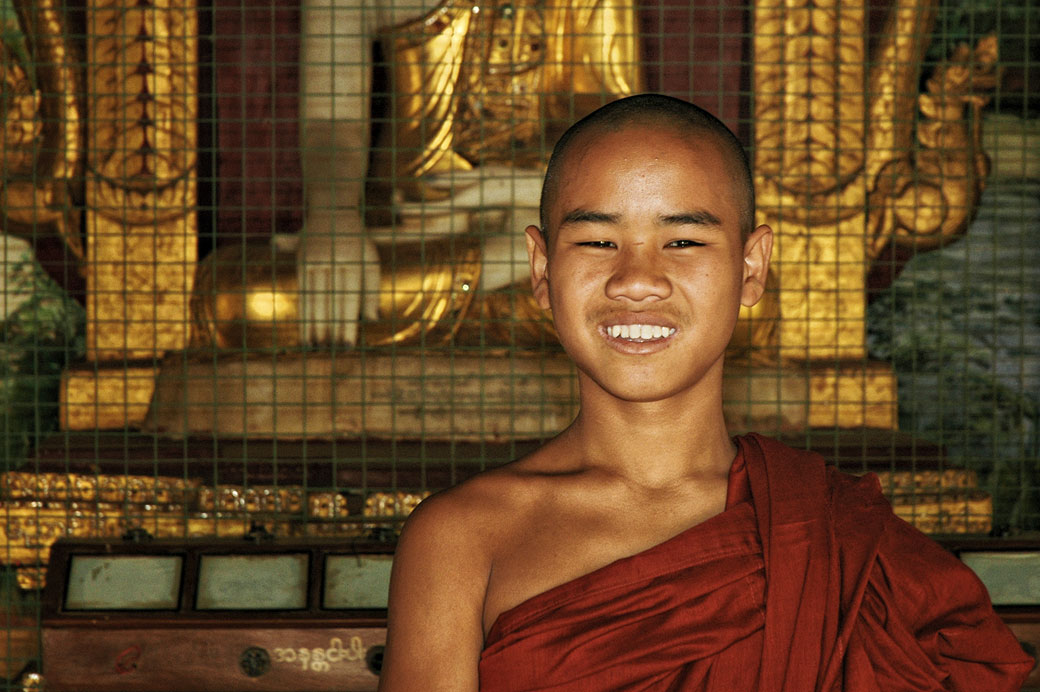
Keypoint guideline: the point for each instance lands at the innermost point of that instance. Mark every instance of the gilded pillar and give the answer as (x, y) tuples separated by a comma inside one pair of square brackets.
[(140, 204), (845, 166)]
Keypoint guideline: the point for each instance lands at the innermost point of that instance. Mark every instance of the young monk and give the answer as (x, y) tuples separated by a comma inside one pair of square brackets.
[(644, 548)]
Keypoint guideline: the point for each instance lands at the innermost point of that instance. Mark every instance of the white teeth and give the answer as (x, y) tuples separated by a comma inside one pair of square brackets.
[(641, 332)]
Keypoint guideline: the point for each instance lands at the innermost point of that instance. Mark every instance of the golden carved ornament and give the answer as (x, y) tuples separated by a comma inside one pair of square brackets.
[(809, 100), (824, 152), (23, 487), (43, 507), (42, 136), (928, 198), (143, 85), (842, 171), (21, 126)]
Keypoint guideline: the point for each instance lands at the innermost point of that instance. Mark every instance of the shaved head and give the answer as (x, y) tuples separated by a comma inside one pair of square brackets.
[(659, 112)]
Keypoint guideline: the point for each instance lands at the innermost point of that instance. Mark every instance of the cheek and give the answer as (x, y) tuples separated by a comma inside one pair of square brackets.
[(571, 300)]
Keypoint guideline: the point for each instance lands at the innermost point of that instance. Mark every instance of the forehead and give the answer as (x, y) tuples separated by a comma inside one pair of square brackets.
[(635, 162)]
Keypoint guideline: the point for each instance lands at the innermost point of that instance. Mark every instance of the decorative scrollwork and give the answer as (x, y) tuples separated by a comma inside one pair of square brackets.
[(926, 199)]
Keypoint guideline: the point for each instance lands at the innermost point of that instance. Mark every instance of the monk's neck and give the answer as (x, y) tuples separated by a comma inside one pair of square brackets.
[(653, 444)]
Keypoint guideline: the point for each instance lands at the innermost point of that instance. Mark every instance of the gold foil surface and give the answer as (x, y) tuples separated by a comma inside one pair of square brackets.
[(252, 499), (952, 511), (41, 508), (139, 283), (105, 397), (18, 486), (393, 504), (939, 501), (853, 395), (903, 483)]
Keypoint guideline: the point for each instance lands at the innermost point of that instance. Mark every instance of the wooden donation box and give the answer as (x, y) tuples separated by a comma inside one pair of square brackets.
[(215, 614)]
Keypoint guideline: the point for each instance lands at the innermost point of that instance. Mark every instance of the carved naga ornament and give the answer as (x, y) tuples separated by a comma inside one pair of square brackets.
[(42, 130), (843, 171)]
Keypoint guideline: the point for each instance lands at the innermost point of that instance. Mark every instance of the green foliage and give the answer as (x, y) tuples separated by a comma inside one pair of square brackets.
[(37, 340), (962, 342)]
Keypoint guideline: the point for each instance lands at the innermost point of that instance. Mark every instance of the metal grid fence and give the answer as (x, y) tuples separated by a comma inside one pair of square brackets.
[(169, 170)]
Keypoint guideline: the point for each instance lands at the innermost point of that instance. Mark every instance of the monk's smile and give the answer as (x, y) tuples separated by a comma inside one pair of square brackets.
[(638, 333)]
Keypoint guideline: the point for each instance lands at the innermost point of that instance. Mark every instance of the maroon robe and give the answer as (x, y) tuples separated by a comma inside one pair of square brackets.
[(807, 581)]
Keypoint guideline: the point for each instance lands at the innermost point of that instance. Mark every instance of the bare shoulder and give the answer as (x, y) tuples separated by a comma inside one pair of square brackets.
[(442, 566), (468, 518)]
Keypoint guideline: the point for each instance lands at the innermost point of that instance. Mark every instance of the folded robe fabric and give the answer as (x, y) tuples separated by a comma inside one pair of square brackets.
[(806, 582)]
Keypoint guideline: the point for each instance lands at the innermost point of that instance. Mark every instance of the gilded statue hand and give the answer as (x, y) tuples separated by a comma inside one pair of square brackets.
[(338, 277)]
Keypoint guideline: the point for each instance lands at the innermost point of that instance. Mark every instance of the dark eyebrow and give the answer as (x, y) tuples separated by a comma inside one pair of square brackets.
[(586, 216), (699, 217)]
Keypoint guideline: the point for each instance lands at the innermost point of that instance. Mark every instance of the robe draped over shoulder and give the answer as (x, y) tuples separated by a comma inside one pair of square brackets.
[(806, 582)]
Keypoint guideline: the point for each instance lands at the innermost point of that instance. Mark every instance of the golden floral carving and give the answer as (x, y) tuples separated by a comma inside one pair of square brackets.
[(809, 107)]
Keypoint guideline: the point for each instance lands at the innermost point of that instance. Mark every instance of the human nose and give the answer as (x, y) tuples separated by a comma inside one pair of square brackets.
[(638, 275)]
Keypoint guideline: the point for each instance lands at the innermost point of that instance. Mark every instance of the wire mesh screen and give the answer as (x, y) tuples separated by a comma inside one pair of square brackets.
[(264, 262)]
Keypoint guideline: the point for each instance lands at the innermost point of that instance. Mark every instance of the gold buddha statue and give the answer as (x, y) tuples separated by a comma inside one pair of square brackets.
[(479, 93), (851, 158)]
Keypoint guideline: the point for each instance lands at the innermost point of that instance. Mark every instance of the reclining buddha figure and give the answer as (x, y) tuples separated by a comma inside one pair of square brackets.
[(416, 235)]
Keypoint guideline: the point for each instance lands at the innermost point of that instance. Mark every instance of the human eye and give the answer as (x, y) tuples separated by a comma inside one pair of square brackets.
[(599, 244), (685, 243)]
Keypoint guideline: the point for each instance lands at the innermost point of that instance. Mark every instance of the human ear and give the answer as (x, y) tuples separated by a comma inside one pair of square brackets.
[(538, 256), (758, 248)]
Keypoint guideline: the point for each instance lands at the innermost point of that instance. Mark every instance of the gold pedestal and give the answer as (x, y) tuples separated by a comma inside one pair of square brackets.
[(98, 396), (430, 396), (856, 394), (795, 396), (482, 396)]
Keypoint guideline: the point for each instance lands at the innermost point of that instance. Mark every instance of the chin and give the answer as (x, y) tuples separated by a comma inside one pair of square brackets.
[(654, 387)]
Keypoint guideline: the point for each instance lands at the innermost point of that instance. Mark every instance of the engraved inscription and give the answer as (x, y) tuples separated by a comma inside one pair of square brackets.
[(320, 660)]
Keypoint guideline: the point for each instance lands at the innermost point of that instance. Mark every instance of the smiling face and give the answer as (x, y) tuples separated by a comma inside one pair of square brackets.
[(645, 270)]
